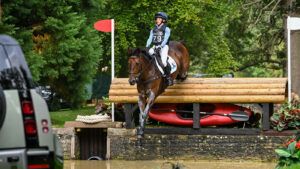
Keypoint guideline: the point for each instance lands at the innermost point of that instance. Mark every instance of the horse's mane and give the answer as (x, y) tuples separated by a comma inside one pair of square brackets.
[(139, 52)]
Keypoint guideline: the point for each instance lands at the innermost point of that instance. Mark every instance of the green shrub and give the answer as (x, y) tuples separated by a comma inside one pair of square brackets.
[(289, 154), (287, 116)]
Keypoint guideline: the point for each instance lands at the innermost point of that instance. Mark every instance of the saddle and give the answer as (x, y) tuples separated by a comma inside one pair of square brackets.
[(160, 65)]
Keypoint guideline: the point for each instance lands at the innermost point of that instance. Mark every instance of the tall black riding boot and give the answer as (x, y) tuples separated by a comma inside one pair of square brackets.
[(167, 71)]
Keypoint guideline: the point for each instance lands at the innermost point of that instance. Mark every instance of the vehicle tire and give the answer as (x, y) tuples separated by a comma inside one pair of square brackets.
[(2, 107)]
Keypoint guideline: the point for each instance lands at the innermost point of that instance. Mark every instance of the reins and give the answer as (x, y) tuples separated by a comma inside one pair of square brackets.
[(143, 70)]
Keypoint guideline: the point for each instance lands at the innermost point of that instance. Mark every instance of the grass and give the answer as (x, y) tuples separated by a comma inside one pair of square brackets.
[(59, 118)]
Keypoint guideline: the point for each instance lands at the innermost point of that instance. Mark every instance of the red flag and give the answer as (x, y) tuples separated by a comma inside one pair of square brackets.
[(103, 25)]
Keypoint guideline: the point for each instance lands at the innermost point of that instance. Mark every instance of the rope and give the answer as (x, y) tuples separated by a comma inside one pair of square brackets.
[(93, 118)]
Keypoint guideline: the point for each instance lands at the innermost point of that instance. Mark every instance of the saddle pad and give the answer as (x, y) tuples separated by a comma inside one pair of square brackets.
[(172, 63)]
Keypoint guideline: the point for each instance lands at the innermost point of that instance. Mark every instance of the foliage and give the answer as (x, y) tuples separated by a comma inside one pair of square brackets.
[(107, 102), (101, 84), (289, 155), (287, 116), (61, 46), (243, 37)]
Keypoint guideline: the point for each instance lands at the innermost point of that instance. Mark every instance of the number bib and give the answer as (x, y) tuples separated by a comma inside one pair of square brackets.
[(158, 34)]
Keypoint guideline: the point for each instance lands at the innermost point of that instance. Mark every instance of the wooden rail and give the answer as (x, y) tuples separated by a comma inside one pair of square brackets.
[(209, 90)]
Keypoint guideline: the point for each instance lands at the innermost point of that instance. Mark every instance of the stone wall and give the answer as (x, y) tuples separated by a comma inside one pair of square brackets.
[(69, 142), (123, 145)]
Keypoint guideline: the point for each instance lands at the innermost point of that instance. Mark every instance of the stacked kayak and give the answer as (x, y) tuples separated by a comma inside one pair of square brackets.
[(211, 114)]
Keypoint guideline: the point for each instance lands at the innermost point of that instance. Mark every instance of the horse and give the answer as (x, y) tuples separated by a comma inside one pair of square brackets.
[(150, 81)]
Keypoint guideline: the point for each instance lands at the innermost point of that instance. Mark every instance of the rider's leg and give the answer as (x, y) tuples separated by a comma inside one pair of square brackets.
[(164, 54), (167, 67)]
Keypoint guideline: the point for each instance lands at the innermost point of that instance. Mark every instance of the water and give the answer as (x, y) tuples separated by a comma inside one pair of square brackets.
[(115, 164)]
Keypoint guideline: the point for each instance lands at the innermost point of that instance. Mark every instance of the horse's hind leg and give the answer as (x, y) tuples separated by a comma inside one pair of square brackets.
[(185, 65), (182, 76)]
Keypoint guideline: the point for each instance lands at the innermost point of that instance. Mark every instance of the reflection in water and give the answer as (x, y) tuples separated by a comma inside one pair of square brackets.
[(114, 164)]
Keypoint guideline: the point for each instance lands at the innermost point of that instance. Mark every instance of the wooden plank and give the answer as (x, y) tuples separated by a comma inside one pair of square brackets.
[(206, 99), (280, 133), (203, 131), (78, 124), (209, 86), (219, 81), (218, 131), (187, 92)]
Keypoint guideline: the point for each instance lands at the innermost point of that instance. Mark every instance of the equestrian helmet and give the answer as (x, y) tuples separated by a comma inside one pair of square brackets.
[(161, 15)]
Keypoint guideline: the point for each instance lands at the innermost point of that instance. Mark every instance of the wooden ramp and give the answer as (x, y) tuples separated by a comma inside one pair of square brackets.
[(209, 90)]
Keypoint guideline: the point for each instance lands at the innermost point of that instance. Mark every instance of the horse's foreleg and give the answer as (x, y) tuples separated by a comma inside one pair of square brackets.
[(142, 104), (150, 102), (144, 113)]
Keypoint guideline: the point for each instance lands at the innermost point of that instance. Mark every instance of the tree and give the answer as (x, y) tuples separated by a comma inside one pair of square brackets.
[(195, 22), (61, 46), (244, 37)]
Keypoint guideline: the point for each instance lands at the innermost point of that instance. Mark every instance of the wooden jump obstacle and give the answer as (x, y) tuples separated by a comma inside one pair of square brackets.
[(262, 91)]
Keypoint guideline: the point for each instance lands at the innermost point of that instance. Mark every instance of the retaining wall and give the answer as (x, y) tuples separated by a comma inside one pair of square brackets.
[(124, 145)]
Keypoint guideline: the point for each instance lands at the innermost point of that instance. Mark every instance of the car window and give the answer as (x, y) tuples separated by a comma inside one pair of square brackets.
[(4, 62), (17, 59)]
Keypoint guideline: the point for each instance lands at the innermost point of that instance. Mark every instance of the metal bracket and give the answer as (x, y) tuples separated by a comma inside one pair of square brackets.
[(196, 115)]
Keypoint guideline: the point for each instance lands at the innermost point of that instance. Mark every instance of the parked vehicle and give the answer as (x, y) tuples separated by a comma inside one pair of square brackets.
[(26, 138), (53, 100)]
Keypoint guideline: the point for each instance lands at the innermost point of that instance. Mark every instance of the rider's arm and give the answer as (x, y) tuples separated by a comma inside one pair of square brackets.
[(167, 35), (149, 41)]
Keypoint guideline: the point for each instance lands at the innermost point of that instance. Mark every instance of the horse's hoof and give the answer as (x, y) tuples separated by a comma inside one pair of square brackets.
[(139, 143), (140, 132)]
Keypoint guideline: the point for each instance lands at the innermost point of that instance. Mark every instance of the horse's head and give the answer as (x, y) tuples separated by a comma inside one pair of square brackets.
[(134, 69), (134, 65)]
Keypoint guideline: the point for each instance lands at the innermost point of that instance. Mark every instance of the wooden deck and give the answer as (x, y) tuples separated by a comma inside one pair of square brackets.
[(104, 124)]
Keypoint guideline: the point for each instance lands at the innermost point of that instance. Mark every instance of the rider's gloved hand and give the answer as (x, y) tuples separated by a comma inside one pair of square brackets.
[(158, 48), (151, 51)]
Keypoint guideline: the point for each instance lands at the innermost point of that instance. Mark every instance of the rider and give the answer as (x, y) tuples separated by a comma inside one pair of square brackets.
[(159, 36)]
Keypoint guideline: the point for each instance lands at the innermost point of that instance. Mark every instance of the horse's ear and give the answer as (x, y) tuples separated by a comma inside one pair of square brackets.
[(129, 51), (137, 52)]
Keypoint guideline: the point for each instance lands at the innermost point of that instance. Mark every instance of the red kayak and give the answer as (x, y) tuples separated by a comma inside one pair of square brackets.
[(181, 114)]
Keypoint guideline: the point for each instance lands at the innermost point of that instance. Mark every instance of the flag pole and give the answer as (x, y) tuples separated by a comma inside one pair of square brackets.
[(289, 60), (112, 63)]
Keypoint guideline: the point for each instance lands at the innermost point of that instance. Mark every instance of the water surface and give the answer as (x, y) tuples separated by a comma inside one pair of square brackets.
[(116, 164)]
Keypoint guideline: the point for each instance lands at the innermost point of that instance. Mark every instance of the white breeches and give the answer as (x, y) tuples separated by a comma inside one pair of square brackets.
[(163, 53)]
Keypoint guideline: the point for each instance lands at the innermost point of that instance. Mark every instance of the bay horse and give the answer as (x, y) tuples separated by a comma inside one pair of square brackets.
[(150, 81)]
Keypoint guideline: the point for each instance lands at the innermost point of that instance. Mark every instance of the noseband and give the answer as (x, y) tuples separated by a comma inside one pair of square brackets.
[(140, 70)]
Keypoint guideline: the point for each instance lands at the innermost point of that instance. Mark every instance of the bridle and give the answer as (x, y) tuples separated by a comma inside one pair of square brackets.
[(140, 70)]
